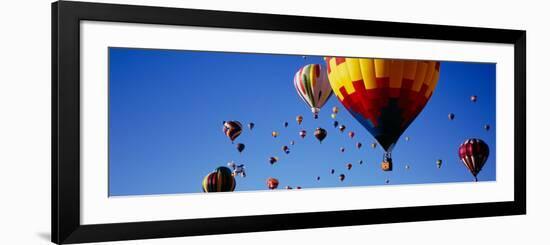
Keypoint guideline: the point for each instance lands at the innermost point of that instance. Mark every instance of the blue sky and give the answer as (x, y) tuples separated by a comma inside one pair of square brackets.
[(166, 109)]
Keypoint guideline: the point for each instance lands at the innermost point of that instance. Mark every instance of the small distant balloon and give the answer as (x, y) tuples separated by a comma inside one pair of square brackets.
[(335, 124), (451, 116), (318, 178), (407, 138), (360, 161), (240, 147), (473, 98), (342, 128), (348, 166), (335, 110), (351, 134), (298, 187), (272, 183), (332, 171), (274, 134), (373, 145), (302, 134), (407, 167), (285, 149), (273, 160), (286, 124), (320, 134), (251, 126), (333, 116), (342, 149), (486, 127), (387, 181), (358, 145), (292, 142), (299, 119), (341, 177), (288, 187), (439, 162), (232, 129)]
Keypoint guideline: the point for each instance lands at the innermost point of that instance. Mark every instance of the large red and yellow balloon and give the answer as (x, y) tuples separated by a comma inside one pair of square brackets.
[(384, 95)]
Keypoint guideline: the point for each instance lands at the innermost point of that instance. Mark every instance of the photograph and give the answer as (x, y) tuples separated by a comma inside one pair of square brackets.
[(199, 121)]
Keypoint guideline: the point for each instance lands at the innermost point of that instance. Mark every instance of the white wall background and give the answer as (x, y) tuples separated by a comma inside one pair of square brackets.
[(25, 121)]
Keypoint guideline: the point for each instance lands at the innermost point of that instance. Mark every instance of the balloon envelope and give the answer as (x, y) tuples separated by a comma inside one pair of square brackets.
[(220, 180), (232, 129), (312, 86), (240, 147), (473, 153), (272, 183), (320, 134), (384, 95)]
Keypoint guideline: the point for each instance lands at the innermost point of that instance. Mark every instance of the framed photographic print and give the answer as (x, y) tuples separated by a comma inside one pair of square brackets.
[(176, 122)]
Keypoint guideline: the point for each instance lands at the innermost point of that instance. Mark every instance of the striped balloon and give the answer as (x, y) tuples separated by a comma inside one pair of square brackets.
[(384, 95), (474, 154), (232, 129), (221, 180), (312, 85)]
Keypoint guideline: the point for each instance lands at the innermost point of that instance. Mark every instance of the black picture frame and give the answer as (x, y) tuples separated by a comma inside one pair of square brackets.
[(65, 169)]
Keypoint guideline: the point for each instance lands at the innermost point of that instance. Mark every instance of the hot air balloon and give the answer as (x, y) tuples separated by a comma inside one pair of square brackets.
[(451, 116), (272, 183), (335, 124), (473, 98), (341, 177), (288, 187), (407, 138), (332, 171), (232, 129), (302, 134), (342, 128), (342, 149), (335, 110), (250, 125), (407, 167), (240, 147), (387, 181), (373, 145), (298, 187), (439, 162), (285, 149), (333, 116), (358, 145), (274, 134), (360, 161), (286, 124), (299, 119), (237, 169), (312, 85), (351, 134), (220, 180), (384, 95), (292, 142), (320, 134), (318, 178), (273, 160), (473, 153), (486, 127), (348, 166)]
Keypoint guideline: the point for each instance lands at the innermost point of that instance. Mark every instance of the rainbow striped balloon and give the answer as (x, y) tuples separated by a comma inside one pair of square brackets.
[(313, 87)]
